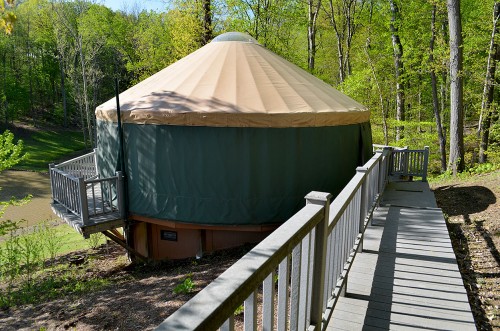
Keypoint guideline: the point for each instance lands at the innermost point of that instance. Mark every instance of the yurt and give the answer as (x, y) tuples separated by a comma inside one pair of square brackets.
[(221, 147)]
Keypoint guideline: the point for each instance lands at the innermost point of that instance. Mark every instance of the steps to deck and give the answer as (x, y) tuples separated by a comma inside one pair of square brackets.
[(407, 277)]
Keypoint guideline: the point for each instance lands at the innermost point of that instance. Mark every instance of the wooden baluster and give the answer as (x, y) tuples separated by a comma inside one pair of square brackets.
[(250, 314), (283, 294), (318, 272)]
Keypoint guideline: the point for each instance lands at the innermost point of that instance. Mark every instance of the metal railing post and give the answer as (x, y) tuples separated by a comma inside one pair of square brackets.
[(84, 204), (318, 272), (119, 193), (363, 203), (426, 163)]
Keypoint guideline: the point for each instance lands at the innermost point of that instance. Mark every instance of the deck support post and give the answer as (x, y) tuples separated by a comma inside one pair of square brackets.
[(130, 250), (363, 204), (319, 262), (426, 162), (84, 204)]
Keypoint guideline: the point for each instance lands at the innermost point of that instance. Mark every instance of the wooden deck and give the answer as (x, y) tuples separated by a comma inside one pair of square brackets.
[(407, 277), (101, 216)]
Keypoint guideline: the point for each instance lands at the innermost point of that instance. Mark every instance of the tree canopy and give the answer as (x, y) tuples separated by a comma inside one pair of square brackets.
[(61, 58)]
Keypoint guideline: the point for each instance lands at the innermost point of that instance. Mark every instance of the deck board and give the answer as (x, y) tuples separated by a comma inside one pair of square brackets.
[(407, 277)]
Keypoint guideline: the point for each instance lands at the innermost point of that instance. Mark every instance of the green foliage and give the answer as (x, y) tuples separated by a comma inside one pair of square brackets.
[(239, 310), (470, 172), (24, 270), (51, 284), (11, 153), (57, 238), (483, 168), (49, 237), (152, 42), (7, 17), (62, 41), (185, 287), (95, 240), (495, 140)]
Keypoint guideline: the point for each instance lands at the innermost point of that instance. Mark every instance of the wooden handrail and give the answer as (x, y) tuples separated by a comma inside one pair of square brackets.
[(75, 160), (74, 184), (82, 166), (410, 162), (308, 284)]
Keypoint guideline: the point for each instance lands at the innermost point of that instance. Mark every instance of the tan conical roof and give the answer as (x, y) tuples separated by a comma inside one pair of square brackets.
[(234, 82)]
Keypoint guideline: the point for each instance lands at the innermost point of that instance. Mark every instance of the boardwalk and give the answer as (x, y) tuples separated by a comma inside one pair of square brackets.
[(407, 278)]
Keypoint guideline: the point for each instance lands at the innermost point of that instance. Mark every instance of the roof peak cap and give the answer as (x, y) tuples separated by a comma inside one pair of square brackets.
[(235, 36)]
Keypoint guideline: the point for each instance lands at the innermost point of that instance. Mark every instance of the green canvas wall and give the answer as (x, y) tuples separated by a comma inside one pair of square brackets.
[(231, 176)]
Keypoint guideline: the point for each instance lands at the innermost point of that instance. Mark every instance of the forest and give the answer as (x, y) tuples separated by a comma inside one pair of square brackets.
[(425, 68)]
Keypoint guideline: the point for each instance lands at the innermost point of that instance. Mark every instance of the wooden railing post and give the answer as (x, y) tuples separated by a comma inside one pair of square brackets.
[(426, 162), (84, 204), (385, 167), (52, 165), (95, 163), (318, 272), (363, 203), (406, 161)]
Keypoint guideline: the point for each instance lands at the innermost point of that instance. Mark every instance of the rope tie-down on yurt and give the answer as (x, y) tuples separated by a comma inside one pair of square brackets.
[(221, 147)]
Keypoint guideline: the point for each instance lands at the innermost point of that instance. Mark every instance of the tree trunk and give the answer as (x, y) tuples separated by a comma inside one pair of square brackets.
[(63, 91), (456, 162), (435, 100), (79, 93), (313, 6), (85, 91), (3, 96), (485, 117), (207, 22), (350, 13), (444, 75), (339, 33), (398, 65), (342, 17), (383, 106), (30, 74)]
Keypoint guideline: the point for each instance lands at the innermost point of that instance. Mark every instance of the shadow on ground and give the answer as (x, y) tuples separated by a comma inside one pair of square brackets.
[(468, 232), (467, 200)]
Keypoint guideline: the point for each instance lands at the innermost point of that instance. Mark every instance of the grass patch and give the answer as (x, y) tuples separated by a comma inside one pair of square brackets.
[(45, 147), (51, 284), (69, 240), (33, 268), (72, 240)]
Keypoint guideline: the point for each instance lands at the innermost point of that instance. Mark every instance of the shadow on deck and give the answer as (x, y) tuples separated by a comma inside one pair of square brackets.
[(407, 276)]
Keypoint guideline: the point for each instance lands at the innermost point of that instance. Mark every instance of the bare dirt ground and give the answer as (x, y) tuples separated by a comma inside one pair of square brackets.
[(473, 211), (137, 298)]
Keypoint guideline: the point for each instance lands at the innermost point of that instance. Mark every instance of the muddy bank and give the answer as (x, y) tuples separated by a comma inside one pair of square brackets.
[(18, 184)]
